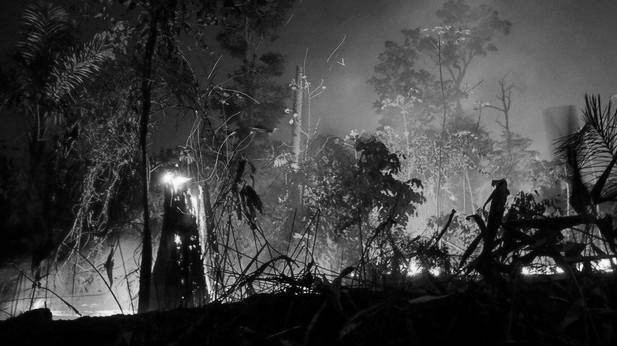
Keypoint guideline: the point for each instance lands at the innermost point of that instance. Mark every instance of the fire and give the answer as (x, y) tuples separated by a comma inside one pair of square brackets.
[(175, 180)]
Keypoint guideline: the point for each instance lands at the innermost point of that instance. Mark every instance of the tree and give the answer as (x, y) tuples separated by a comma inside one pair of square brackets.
[(256, 96), (103, 157), (428, 104), (504, 98), (178, 274), (353, 184), (50, 69), (591, 155), (464, 34), (157, 27), (511, 157)]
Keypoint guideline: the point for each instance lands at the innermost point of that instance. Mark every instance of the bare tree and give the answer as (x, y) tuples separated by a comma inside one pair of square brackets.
[(504, 98)]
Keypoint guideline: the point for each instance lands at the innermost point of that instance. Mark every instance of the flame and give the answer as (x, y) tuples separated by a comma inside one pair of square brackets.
[(175, 180)]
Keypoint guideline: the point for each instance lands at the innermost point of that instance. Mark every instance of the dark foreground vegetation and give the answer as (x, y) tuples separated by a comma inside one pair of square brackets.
[(535, 311)]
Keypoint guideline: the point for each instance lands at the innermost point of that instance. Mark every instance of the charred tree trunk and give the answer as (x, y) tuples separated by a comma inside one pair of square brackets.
[(41, 179), (178, 278)]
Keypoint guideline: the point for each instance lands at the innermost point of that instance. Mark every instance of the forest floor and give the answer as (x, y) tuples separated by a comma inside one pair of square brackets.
[(538, 311)]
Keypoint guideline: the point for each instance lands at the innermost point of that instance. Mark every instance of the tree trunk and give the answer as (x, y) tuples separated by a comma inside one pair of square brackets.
[(443, 130), (145, 273), (295, 217), (296, 133), (211, 241), (178, 277)]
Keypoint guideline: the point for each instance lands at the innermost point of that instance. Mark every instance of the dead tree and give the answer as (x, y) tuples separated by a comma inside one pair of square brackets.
[(296, 136), (504, 97), (296, 132), (178, 277)]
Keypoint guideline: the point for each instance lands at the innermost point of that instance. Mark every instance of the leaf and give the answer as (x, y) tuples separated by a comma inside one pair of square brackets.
[(426, 299), (43, 25), (445, 228), (593, 149), (77, 67), (109, 266), (348, 328), (239, 173), (252, 200), (313, 323), (605, 226), (573, 314), (355, 320), (342, 275), (470, 249)]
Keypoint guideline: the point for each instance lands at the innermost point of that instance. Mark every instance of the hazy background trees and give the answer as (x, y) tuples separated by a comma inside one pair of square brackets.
[(422, 81)]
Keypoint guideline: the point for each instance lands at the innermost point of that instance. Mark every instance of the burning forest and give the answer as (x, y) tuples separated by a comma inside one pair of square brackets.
[(282, 172)]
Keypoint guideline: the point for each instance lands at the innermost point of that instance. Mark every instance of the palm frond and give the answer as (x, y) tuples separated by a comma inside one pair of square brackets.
[(78, 66), (42, 24), (596, 148)]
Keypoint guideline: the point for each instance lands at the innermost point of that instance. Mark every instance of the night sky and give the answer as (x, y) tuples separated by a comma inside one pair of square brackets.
[(557, 51)]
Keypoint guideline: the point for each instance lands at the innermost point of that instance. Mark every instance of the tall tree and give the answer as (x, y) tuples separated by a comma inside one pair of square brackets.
[(259, 96), (511, 157), (464, 34), (158, 25), (427, 104)]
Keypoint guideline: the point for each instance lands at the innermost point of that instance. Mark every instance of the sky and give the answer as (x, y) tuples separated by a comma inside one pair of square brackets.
[(558, 50)]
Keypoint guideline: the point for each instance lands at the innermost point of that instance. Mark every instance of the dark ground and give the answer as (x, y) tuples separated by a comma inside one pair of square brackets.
[(544, 312)]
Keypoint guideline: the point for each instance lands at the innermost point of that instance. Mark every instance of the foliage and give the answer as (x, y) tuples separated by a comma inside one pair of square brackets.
[(255, 99), (246, 24), (592, 150), (420, 83), (352, 181), (105, 155), (460, 232), (358, 194), (529, 233), (49, 74), (352, 186), (404, 69), (50, 63)]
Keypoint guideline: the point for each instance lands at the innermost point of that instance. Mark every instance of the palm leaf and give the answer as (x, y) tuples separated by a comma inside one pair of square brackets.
[(43, 25), (595, 146), (77, 67)]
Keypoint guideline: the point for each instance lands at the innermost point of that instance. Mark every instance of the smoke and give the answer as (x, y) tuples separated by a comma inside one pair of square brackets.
[(557, 51)]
